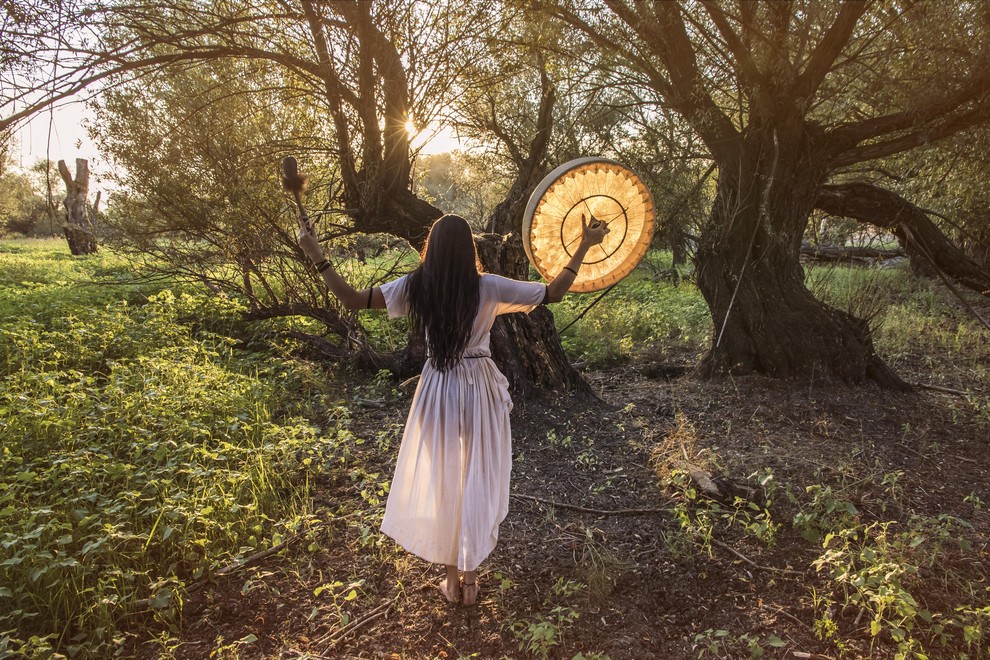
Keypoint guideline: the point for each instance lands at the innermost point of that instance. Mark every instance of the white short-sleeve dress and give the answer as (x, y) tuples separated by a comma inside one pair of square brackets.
[(451, 485)]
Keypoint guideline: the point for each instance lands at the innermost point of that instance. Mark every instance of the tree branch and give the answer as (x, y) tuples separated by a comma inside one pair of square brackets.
[(334, 88), (846, 136), (690, 97), (923, 135), (746, 69), (829, 48), (920, 237)]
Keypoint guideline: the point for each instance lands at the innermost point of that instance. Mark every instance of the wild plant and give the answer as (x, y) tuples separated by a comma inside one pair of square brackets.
[(539, 635)]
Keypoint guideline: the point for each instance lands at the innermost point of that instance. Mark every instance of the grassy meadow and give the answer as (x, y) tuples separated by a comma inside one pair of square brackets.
[(152, 438), (142, 449)]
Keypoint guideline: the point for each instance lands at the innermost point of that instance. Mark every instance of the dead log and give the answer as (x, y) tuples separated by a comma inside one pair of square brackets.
[(922, 240), (848, 254), (719, 487)]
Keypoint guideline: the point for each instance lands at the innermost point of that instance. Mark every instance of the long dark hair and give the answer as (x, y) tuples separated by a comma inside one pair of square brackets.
[(444, 291)]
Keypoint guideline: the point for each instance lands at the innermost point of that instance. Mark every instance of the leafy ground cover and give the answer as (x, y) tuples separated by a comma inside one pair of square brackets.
[(850, 522), (141, 450)]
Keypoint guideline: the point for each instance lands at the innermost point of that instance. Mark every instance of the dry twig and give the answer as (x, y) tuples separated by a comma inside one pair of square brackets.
[(774, 569), (334, 637), (603, 512)]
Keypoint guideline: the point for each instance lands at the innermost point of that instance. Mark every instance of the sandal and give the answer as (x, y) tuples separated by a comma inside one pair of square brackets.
[(464, 592)]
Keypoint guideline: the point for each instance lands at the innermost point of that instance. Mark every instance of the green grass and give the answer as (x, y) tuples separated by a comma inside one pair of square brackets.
[(141, 451), (642, 312), (919, 328)]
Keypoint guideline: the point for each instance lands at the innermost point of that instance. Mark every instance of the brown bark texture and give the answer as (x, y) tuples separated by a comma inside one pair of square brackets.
[(79, 227), (749, 271)]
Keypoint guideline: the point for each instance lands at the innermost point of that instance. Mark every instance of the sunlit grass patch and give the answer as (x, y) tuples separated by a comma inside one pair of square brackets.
[(915, 321), (639, 313), (141, 451)]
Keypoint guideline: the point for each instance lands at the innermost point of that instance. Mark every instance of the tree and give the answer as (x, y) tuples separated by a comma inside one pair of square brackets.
[(22, 208), (197, 151), (373, 68), (79, 227), (784, 94)]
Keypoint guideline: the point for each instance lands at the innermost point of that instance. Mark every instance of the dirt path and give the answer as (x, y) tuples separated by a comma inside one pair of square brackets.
[(564, 582)]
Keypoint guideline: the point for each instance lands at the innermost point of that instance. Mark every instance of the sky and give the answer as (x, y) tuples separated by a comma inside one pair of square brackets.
[(66, 140)]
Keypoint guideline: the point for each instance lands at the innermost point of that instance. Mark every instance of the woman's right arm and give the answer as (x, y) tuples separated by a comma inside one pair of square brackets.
[(349, 297), (590, 237)]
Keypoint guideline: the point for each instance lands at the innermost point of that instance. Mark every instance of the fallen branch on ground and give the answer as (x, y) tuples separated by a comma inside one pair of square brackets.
[(773, 569), (334, 637), (938, 388), (575, 507), (848, 254)]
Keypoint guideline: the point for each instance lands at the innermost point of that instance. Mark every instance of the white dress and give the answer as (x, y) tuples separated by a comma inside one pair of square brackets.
[(451, 485)]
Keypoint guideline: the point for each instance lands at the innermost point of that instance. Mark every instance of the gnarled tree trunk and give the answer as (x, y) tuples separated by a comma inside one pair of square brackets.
[(526, 347), (79, 227), (765, 319)]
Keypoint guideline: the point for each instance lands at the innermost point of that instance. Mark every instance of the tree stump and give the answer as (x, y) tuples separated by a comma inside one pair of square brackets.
[(79, 227)]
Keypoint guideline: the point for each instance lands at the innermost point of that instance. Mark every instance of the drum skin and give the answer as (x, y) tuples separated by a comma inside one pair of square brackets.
[(600, 189)]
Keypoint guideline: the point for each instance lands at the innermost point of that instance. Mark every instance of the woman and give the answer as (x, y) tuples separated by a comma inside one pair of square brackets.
[(451, 485)]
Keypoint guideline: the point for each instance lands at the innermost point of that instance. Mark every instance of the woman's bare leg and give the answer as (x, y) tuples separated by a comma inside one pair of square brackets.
[(451, 585), (470, 587)]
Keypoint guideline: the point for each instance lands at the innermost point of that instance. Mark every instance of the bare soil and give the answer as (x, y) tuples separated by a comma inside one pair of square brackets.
[(641, 595)]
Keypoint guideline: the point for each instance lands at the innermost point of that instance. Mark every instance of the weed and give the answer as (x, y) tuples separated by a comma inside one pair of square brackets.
[(723, 644), (556, 441), (539, 635), (595, 562), (826, 510), (874, 569)]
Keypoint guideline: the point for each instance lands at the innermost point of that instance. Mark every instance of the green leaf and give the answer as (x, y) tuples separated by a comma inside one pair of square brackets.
[(160, 600)]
